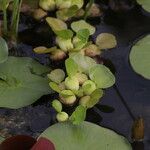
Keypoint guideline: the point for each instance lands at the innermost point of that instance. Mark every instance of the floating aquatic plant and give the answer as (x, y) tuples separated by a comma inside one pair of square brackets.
[(83, 83)]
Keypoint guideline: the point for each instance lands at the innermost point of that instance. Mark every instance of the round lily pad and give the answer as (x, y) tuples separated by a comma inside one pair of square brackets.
[(86, 136), (140, 57)]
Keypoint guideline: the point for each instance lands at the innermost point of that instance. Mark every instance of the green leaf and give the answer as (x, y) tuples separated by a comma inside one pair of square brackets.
[(102, 76), (22, 82), (66, 93), (95, 97), (84, 62), (65, 34), (44, 50), (54, 86), (78, 116), (3, 50), (78, 3), (87, 136), (140, 57), (106, 41), (56, 24), (81, 24), (71, 67), (56, 75), (65, 14), (145, 4), (57, 105), (83, 35)]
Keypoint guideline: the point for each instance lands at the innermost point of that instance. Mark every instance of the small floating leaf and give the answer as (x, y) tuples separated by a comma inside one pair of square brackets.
[(78, 116), (71, 67), (106, 41), (95, 97), (78, 3), (44, 50), (54, 87), (83, 35), (22, 82), (86, 136), (79, 25), (3, 50), (84, 62), (102, 76), (65, 14), (65, 34), (56, 75), (145, 4), (140, 57), (57, 105), (56, 24)]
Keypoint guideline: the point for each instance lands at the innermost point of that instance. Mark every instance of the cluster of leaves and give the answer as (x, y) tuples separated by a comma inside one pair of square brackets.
[(84, 80), (75, 39), (65, 9), (83, 83)]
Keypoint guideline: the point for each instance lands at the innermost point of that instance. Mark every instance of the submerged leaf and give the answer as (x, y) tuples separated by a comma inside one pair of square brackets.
[(22, 82), (78, 116), (3, 50), (102, 76), (140, 57), (81, 24), (106, 41), (87, 136)]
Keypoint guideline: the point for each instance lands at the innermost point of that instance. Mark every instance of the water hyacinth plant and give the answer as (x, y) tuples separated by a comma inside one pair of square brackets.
[(76, 39), (83, 83)]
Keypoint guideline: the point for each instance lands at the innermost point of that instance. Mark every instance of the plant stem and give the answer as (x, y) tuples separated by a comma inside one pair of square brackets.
[(4, 3), (124, 102), (15, 17), (87, 9)]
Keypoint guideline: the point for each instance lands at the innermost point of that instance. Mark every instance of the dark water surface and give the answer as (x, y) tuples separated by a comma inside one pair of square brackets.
[(135, 90)]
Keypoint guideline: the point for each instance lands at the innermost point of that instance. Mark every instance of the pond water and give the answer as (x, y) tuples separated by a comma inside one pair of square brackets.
[(134, 89)]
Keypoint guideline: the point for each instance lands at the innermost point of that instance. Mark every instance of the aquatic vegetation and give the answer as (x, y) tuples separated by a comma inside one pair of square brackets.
[(83, 137), (12, 30), (3, 50), (22, 82), (78, 84), (76, 39), (145, 4), (140, 57)]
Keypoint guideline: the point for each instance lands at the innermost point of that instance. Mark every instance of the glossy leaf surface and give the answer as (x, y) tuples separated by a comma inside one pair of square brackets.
[(67, 136)]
